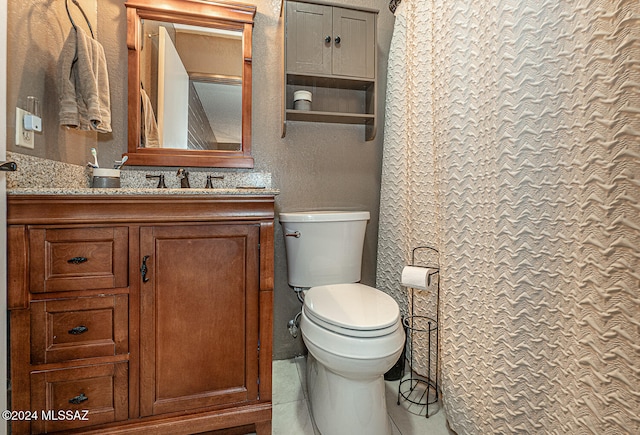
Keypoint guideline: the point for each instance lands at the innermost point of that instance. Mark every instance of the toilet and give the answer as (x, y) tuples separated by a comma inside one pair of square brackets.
[(352, 331)]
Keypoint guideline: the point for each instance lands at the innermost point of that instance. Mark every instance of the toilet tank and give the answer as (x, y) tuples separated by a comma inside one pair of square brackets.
[(324, 247)]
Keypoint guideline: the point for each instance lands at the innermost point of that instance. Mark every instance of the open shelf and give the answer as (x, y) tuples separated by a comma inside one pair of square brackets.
[(335, 117), (337, 100)]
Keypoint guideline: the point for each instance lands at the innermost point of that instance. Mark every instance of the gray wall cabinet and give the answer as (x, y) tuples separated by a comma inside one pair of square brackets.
[(330, 52)]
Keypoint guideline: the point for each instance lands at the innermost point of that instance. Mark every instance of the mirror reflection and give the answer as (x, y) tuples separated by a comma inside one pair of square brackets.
[(190, 87)]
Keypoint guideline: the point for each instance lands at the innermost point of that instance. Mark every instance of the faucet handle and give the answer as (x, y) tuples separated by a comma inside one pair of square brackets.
[(160, 178), (209, 185)]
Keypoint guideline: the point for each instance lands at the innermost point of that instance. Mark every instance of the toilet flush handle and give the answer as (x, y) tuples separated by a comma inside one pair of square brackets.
[(295, 234)]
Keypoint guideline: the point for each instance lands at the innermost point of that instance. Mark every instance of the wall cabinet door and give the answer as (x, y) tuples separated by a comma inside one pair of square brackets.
[(354, 55), (308, 27), (330, 40), (199, 316)]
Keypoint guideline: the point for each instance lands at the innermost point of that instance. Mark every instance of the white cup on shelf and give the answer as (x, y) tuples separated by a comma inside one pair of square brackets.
[(302, 100)]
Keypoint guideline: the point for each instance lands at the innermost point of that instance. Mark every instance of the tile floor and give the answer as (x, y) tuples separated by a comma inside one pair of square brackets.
[(291, 412)]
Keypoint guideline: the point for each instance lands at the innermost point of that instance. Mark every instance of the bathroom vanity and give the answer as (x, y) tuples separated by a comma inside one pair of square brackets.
[(141, 313)]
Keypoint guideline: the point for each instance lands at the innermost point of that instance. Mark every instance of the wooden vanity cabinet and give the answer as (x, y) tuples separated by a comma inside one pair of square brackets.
[(152, 313)]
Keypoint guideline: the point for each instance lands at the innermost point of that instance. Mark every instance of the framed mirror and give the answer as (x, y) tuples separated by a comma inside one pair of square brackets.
[(189, 83)]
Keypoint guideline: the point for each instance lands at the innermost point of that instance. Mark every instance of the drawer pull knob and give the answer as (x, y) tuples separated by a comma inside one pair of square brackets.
[(78, 330), (143, 269), (77, 260), (78, 399)]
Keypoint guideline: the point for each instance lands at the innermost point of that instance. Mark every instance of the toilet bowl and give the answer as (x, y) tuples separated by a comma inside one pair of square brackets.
[(352, 331), (347, 361)]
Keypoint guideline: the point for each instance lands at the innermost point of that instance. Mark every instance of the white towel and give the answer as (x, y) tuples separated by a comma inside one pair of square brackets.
[(148, 123), (85, 103)]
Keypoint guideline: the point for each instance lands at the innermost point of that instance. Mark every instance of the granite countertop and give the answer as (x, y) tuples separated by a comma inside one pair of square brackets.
[(46, 177), (139, 191)]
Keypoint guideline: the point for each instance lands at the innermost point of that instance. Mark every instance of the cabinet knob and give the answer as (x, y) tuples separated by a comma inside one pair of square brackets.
[(337, 40), (327, 39), (77, 260)]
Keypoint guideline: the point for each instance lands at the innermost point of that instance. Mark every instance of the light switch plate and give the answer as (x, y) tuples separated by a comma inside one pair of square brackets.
[(24, 138)]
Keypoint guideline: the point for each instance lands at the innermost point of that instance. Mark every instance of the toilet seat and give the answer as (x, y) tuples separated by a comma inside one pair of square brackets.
[(352, 309)]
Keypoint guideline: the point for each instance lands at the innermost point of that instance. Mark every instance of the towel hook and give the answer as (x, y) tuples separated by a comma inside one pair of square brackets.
[(75, 2)]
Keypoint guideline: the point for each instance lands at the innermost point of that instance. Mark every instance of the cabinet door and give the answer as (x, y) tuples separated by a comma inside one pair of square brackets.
[(354, 55), (199, 317), (308, 26)]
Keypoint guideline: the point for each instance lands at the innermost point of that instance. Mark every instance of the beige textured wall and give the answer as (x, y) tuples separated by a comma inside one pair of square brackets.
[(314, 166)]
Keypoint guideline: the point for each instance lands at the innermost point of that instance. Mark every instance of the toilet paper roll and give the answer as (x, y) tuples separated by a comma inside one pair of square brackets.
[(416, 277)]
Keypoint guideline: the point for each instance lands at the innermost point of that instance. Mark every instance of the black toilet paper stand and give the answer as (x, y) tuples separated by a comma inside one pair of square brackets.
[(421, 389)]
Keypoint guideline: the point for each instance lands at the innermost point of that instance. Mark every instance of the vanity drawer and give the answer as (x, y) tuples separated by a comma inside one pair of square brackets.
[(68, 329), (78, 258), (102, 390)]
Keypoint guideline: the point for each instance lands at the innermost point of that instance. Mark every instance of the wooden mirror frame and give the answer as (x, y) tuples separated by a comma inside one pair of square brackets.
[(230, 16)]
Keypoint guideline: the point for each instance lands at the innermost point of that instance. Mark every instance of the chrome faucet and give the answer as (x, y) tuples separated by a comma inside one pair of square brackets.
[(183, 175)]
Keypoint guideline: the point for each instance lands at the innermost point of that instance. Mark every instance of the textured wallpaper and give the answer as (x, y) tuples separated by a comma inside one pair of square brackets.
[(512, 143)]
